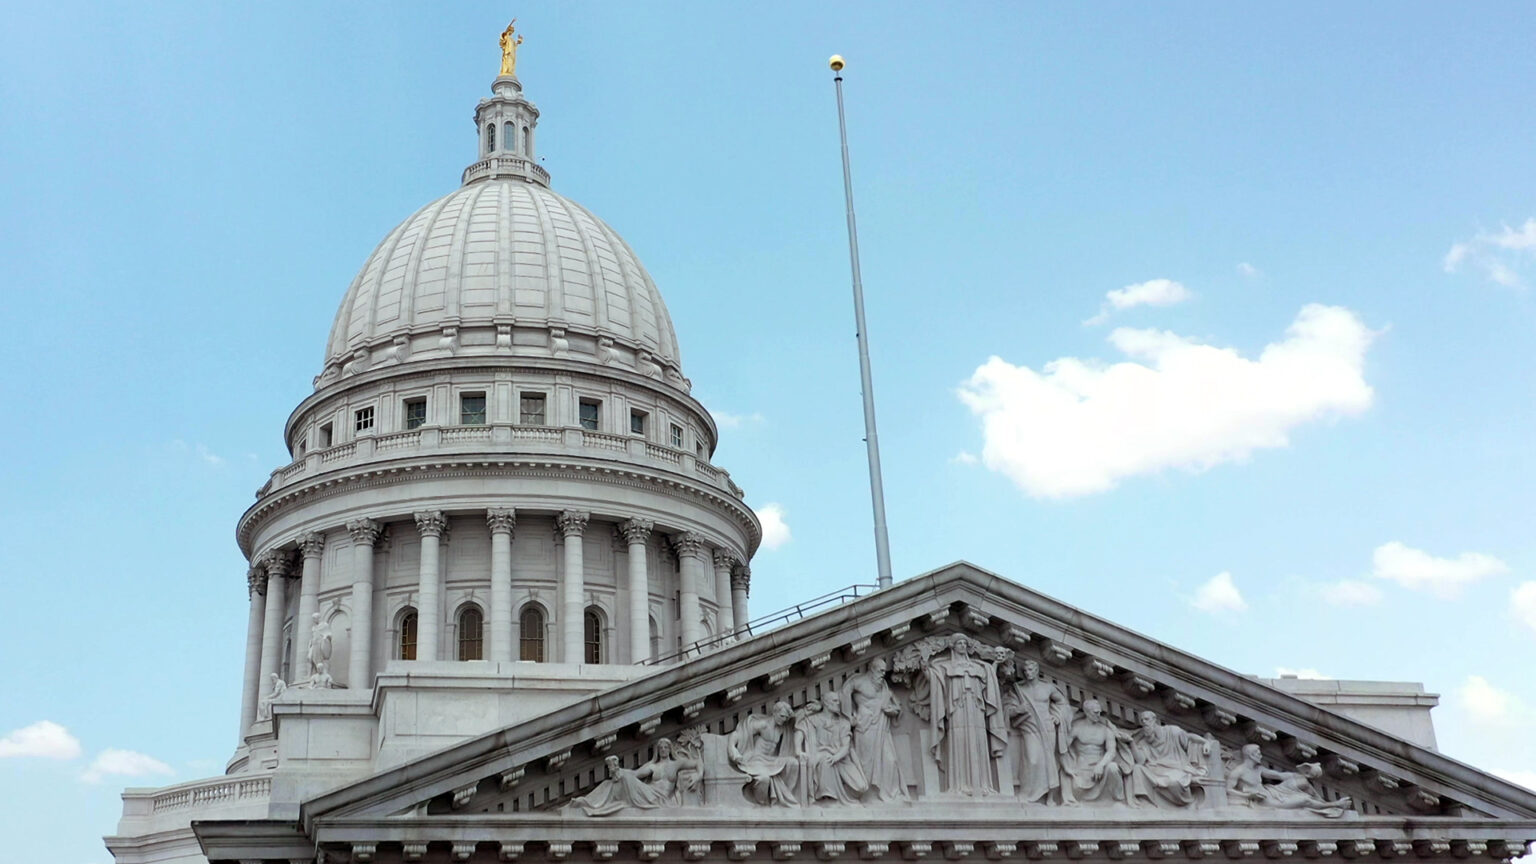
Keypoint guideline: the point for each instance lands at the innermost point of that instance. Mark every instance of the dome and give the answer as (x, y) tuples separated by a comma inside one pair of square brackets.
[(502, 263)]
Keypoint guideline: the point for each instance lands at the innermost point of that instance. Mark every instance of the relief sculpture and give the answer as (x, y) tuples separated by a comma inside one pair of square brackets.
[(937, 718)]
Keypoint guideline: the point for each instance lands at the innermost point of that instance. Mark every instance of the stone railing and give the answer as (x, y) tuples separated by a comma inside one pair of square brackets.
[(506, 166), (217, 790), (500, 438)]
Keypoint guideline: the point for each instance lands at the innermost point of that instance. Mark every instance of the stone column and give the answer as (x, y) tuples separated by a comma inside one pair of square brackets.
[(570, 524), (690, 559), (724, 561), (741, 585), (637, 533), (250, 691), (502, 522), (429, 614), (312, 545), (275, 563), (365, 533)]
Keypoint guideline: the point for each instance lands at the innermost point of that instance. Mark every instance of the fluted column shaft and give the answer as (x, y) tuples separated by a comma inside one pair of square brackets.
[(276, 566), (741, 584), (429, 616), (365, 533), (502, 523), (312, 546), (724, 561), (571, 524), (690, 559), (250, 690), (637, 533)]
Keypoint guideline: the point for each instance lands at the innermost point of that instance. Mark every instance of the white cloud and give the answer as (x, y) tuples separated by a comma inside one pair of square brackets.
[(1078, 427), (1313, 674), (199, 450), (775, 529), (1219, 595), (1420, 571), (727, 420), (43, 739), (1248, 271), (126, 763), (1521, 778), (1522, 603), (964, 457), (1500, 255), (1351, 592), (1489, 705), (1153, 292)]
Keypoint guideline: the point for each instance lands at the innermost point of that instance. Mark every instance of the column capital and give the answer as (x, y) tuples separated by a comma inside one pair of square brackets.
[(431, 523), (312, 545), (571, 523), (725, 559), (741, 578), (502, 520), (256, 581), (276, 563), (689, 545), (365, 532), (636, 531)]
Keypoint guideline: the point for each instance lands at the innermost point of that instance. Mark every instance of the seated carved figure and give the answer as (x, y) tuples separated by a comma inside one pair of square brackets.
[(1165, 762), (762, 748), (1249, 782), (832, 769), (654, 784), (1093, 764)]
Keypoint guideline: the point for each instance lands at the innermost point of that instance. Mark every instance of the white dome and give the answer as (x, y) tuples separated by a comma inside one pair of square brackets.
[(502, 264)]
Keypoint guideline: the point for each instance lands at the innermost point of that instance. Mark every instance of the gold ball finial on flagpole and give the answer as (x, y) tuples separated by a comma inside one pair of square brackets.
[(836, 63)]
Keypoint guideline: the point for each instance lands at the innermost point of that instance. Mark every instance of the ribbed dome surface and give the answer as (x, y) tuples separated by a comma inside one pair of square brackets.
[(503, 251)]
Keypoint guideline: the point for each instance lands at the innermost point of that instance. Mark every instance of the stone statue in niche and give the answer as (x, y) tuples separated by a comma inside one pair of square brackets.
[(1249, 782), (318, 654), (966, 722), (652, 785), (1093, 764), (832, 769), (763, 748), (264, 707), (872, 707), (1039, 710), (1165, 763)]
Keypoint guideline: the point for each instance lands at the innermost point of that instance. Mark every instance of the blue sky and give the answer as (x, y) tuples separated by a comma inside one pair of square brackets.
[(1316, 380)]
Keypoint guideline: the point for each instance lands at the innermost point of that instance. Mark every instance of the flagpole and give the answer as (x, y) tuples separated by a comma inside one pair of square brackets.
[(871, 438)]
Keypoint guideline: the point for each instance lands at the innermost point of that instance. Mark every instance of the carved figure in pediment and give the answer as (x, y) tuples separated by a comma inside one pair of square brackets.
[(832, 768), (652, 785), (275, 692), (763, 748), (872, 708), (1039, 710), (1092, 759), (1249, 782), (1165, 762), (967, 725)]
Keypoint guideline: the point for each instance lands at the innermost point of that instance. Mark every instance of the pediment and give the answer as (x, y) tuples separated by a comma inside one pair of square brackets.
[(986, 682)]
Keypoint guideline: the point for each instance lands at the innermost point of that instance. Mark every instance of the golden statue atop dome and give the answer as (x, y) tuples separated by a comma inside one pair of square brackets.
[(509, 50)]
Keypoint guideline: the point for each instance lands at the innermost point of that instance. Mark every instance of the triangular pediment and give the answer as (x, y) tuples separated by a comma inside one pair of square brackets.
[(986, 682)]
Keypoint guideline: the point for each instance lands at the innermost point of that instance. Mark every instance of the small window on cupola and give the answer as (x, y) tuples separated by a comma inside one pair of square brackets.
[(509, 136), (527, 142), (490, 138)]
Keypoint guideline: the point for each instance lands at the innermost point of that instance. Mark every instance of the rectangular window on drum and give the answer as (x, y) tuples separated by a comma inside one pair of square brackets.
[(591, 411), (531, 410), (415, 413), (637, 422), (362, 419), (677, 436), (472, 409)]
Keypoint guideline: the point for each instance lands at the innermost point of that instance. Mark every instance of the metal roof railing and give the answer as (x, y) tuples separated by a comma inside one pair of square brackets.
[(766, 623)]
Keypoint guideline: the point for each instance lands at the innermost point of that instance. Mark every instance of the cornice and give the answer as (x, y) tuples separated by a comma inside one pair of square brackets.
[(394, 472)]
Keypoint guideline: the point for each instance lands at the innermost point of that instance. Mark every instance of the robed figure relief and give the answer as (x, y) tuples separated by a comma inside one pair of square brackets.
[(763, 748), (966, 719), (1093, 764), (1039, 710), (872, 707), (832, 769), (1165, 762)]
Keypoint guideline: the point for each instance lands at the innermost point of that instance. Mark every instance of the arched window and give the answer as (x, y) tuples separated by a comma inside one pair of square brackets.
[(527, 143), (509, 136), (490, 138), (655, 638), (407, 643), (531, 635), (471, 630), (593, 627)]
